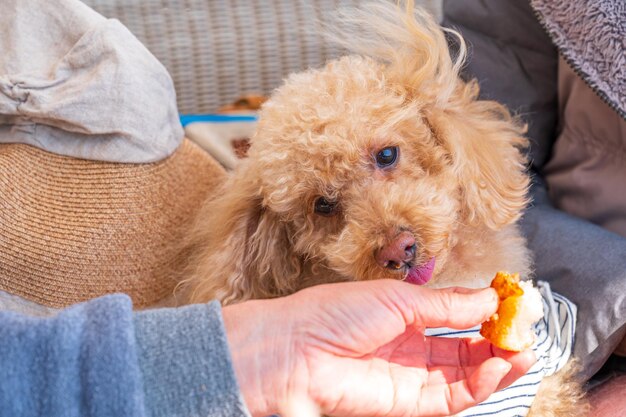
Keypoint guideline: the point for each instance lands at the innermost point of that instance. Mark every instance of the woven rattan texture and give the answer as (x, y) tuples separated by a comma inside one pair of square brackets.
[(219, 50)]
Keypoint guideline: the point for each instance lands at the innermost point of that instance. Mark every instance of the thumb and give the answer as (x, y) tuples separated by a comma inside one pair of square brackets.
[(455, 307)]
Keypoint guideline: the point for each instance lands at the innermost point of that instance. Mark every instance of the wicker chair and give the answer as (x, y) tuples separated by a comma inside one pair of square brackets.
[(219, 50)]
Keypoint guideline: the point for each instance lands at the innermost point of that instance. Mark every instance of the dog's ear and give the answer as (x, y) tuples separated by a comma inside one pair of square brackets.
[(486, 151), (238, 249)]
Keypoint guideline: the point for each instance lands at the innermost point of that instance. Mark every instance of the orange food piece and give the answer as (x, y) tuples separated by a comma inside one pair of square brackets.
[(506, 285), (520, 306)]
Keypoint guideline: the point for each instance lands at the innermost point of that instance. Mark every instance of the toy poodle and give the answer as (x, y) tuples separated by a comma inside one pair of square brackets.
[(382, 164)]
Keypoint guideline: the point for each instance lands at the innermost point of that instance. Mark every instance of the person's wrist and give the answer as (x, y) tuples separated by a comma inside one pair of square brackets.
[(259, 346), (245, 344)]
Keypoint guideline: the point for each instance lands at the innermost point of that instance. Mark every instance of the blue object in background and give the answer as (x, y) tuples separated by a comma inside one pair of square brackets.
[(186, 119)]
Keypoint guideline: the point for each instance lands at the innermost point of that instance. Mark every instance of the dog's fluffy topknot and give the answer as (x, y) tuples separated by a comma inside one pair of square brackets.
[(407, 39)]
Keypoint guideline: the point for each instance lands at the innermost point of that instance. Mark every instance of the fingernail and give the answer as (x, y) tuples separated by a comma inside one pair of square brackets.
[(504, 367), (532, 354), (489, 295)]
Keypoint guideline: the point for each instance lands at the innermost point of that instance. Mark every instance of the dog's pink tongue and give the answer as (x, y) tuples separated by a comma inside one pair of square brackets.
[(420, 275)]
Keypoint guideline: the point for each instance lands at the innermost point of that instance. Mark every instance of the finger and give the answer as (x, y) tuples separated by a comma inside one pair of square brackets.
[(520, 362), (451, 307), (465, 351), (453, 357), (464, 290), (447, 399), (438, 375)]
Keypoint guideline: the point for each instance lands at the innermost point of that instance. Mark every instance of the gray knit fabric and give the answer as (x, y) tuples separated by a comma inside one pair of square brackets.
[(601, 62), (186, 365), (101, 359)]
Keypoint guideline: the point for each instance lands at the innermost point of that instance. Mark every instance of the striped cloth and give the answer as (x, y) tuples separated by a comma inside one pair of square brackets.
[(553, 347)]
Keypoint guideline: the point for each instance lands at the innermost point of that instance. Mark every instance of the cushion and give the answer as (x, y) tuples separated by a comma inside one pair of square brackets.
[(225, 137), (514, 62), (588, 163)]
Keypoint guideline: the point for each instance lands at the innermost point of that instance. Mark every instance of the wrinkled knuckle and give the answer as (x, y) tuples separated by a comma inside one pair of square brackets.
[(450, 301), (464, 354), (449, 405), (472, 391)]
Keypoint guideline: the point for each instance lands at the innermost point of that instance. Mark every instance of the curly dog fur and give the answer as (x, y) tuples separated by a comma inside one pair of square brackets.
[(458, 187)]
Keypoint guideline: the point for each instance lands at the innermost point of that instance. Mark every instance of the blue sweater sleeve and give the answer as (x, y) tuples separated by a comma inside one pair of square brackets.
[(101, 359)]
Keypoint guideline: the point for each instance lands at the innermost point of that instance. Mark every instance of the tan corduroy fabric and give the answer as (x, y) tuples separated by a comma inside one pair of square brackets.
[(73, 229)]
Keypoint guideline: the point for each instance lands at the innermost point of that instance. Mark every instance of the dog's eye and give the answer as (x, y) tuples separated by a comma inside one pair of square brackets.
[(324, 207), (387, 157)]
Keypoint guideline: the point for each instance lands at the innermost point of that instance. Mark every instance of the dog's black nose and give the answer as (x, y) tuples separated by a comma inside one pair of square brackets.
[(397, 253)]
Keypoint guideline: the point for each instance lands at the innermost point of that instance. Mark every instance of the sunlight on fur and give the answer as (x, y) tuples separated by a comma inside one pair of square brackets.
[(318, 201)]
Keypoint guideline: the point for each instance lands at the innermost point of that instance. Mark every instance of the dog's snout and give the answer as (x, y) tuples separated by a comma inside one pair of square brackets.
[(398, 252)]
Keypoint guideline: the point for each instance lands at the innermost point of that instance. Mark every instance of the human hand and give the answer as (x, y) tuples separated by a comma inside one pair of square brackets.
[(358, 349)]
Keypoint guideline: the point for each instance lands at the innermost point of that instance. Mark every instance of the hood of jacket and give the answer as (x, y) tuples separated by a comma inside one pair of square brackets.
[(591, 37)]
